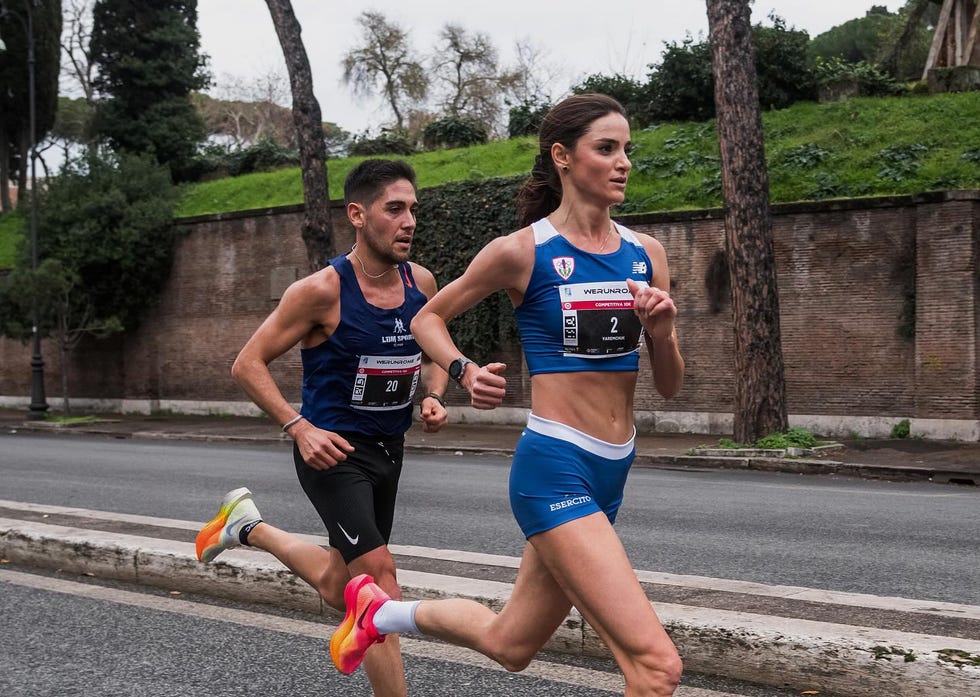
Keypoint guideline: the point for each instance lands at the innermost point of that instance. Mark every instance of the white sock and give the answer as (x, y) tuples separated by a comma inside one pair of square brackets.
[(397, 617)]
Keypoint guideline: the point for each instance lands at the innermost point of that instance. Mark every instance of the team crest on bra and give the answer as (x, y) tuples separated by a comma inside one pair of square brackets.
[(399, 326), (564, 266)]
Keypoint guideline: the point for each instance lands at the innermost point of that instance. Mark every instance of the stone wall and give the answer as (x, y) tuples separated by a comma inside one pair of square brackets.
[(847, 273)]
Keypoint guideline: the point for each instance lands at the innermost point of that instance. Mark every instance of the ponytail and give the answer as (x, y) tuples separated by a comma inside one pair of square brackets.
[(541, 192)]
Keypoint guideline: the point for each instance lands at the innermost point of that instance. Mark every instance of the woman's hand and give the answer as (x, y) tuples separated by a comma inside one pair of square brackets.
[(655, 309), (487, 386)]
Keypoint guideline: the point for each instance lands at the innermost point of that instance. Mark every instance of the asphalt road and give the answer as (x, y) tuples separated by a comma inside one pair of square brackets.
[(66, 635), (884, 538), (137, 643)]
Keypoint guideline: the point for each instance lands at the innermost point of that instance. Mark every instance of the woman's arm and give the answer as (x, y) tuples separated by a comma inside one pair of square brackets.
[(657, 313), (503, 264)]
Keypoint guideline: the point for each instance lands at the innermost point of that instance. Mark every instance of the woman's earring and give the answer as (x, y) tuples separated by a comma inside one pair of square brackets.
[(564, 168)]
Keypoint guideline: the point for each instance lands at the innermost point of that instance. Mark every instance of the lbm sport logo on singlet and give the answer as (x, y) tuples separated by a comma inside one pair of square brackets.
[(385, 382), (598, 319)]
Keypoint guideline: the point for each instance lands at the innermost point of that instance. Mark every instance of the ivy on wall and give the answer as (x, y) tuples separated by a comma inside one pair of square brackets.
[(455, 221), (904, 275)]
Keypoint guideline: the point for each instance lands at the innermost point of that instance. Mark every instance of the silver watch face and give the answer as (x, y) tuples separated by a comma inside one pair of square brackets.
[(456, 368)]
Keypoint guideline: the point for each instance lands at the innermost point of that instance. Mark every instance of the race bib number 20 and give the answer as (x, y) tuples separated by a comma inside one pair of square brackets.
[(598, 319), (385, 382)]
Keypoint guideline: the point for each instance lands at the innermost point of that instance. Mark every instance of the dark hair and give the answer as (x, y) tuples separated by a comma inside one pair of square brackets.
[(564, 123), (367, 180)]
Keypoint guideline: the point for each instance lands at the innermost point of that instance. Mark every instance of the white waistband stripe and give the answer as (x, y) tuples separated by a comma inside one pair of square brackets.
[(554, 429)]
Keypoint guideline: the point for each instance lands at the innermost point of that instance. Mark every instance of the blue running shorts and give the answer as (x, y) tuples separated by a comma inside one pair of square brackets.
[(560, 473)]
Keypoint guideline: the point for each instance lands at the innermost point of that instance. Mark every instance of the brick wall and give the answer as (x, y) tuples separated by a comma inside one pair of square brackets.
[(839, 268)]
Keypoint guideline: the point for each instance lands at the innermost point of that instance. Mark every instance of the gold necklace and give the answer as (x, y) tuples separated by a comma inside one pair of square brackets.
[(605, 239), (353, 250)]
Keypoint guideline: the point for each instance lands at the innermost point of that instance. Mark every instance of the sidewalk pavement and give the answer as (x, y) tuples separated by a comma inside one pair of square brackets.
[(908, 459), (847, 644)]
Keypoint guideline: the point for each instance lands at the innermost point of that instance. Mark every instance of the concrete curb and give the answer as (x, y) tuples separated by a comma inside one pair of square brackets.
[(907, 473), (857, 661)]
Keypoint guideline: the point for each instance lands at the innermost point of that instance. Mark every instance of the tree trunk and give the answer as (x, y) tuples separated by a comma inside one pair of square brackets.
[(6, 205), (63, 354), (317, 231), (760, 388)]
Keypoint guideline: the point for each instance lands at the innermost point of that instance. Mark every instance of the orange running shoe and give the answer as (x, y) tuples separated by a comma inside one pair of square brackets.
[(357, 633), (236, 511)]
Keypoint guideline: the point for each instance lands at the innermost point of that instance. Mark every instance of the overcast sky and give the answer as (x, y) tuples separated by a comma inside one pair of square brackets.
[(577, 37)]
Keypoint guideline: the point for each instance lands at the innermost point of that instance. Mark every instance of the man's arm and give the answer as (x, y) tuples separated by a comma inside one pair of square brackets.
[(435, 380), (303, 307), (282, 329)]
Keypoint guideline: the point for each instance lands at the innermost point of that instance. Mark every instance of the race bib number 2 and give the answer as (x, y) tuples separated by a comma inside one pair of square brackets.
[(598, 319), (385, 382)]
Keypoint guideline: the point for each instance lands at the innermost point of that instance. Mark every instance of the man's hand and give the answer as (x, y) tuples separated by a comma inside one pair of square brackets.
[(488, 386), (655, 309), (320, 449), (434, 415)]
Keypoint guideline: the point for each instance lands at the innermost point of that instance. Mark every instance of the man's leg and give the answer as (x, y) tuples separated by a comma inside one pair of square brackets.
[(356, 501), (383, 662), (325, 570), (322, 568)]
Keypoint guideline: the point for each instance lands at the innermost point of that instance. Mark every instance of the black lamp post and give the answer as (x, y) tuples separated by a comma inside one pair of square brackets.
[(39, 405)]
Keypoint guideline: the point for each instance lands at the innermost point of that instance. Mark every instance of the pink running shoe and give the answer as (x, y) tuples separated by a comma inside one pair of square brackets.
[(355, 635)]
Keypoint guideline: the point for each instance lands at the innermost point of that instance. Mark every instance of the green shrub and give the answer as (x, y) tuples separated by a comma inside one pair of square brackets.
[(802, 157), (265, 155), (390, 142), (901, 162), (872, 82), (631, 93), (902, 429), (971, 155), (110, 221), (795, 437), (525, 119), (453, 132)]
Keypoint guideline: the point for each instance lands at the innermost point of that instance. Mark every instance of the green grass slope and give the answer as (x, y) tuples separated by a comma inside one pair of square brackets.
[(13, 227), (859, 147)]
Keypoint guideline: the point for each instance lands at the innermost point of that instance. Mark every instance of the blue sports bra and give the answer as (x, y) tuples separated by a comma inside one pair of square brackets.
[(577, 313)]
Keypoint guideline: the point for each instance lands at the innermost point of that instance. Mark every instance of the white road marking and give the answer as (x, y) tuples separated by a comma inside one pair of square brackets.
[(554, 672), (815, 595)]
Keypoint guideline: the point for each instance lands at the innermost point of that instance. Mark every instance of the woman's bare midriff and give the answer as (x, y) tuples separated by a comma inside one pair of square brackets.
[(599, 404)]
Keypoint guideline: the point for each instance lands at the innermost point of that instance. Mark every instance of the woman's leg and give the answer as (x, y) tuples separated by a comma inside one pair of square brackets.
[(589, 564), (531, 615)]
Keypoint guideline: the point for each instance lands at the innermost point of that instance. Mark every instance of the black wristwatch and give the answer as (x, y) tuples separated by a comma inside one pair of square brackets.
[(457, 368)]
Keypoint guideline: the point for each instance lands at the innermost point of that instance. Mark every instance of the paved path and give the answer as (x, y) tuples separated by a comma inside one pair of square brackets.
[(845, 643)]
